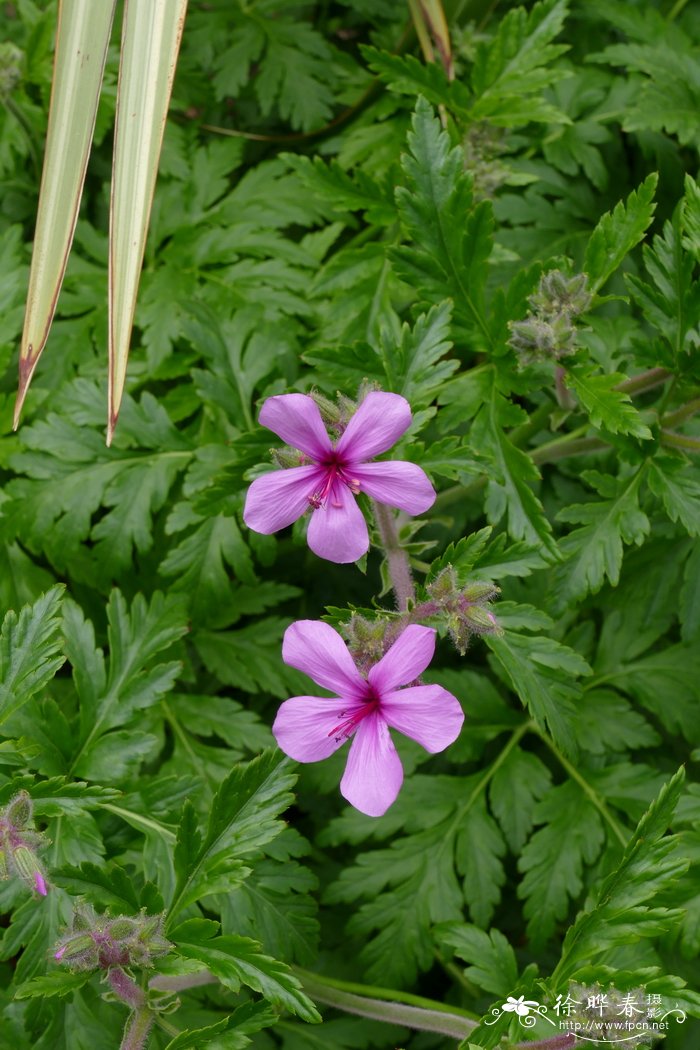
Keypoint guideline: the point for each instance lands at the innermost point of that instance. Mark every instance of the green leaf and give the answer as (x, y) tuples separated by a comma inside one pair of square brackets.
[(452, 238), (552, 862), (511, 72), (543, 673), (243, 817), (29, 651), (620, 912), (133, 680), (249, 657), (517, 785), (679, 491), (493, 964), (239, 960), (57, 983), (618, 232), (608, 408), (594, 552), (511, 473), (245, 1019), (671, 299)]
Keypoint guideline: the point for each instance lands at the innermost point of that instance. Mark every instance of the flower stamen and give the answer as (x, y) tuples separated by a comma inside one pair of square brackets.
[(349, 725)]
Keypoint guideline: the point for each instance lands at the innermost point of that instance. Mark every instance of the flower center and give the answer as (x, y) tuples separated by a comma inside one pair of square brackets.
[(335, 469), (348, 726)]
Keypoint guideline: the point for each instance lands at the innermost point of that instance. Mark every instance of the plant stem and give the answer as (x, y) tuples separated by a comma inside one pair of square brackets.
[(137, 1028), (372, 993), (125, 988), (684, 441), (682, 413), (562, 448), (442, 1021), (396, 557), (639, 384), (585, 787), (557, 1042), (181, 983)]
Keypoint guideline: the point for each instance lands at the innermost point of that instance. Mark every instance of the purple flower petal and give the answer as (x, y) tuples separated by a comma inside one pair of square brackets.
[(405, 661), (373, 774), (426, 713), (399, 484), (277, 499), (296, 419), (316, 649), (307, 727), (338, 530), (378, 424)]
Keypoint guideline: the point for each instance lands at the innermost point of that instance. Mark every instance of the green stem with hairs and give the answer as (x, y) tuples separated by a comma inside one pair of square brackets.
[(137, 1029), (682, 413), (396, 557), (673, 440)]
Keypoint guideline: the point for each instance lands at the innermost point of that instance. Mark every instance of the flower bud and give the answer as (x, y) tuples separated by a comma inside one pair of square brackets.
[(29, 870), (558, 293), (10, 67), (19, 810), (78, 952), (4, 873), (288, 457), (330, 411), (481, 620)]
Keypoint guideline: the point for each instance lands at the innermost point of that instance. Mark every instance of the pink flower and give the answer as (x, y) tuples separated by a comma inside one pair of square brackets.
[(336, 474), (309, 728)]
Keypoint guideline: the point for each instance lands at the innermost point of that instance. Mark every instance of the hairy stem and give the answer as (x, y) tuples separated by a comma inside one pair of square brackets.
[(137, 1029), (682, 413), (442, 1021), (396, 557), (684, 441), (557, 1042), (125, 988), (639, 384)]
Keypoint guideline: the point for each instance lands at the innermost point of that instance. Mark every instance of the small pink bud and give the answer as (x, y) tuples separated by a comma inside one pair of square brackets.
[(40, 883), (60, 953)]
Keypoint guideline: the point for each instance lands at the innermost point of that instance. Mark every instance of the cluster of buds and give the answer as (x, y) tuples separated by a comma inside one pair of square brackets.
[(483, 144), (19, 842), (464, 610), (612, 1009), (97, 942), (368, 640), (549, 331), (11, 59)]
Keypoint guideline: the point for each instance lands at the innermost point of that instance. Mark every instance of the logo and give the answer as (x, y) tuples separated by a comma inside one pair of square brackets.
[(599, 1016)]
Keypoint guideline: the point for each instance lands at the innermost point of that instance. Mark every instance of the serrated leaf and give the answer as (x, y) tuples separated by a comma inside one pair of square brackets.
[(494, 967), (517, 785), (618, 232), (620, 911), (511, 71), (608, 408), (57, 983), (543, 673), (509, 489), (679, 491), (553, 860), (30, 651), (452, 238), (594, 552), (239, 960), (243, 817)]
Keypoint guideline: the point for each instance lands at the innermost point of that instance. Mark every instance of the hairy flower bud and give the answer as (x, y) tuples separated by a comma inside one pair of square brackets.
[(288, 457), (10, 67), (19, 843), (19, 810), (558, 293), (466, 610), (98, 942)]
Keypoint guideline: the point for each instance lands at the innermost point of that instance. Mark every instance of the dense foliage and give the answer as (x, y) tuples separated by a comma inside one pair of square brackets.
[(336, 214)]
